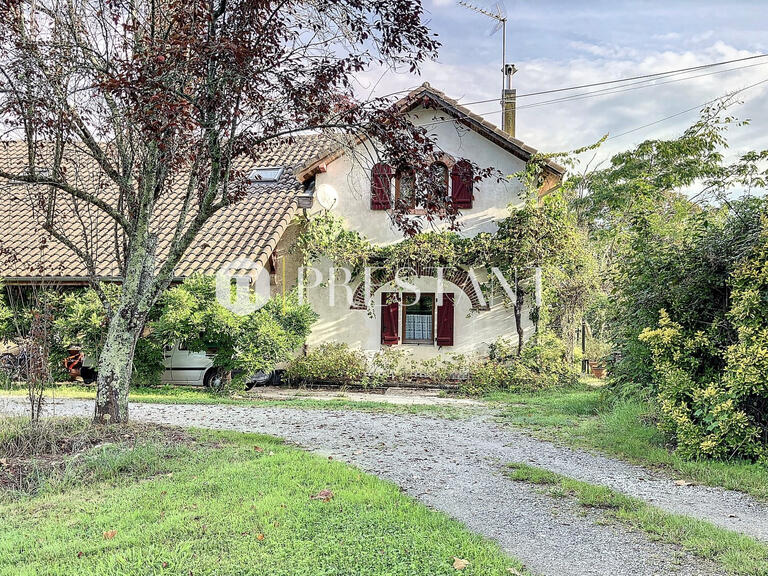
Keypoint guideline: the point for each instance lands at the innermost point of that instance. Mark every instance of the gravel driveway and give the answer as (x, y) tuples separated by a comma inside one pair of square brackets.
[(455, 466)]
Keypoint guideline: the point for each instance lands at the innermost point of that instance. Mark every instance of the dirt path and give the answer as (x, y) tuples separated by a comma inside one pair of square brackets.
[(455, 466)]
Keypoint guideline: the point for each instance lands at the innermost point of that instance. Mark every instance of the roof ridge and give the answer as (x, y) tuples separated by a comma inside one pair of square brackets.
[(407, 104)]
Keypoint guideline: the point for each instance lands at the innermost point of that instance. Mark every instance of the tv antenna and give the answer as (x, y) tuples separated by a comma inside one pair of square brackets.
[(498, 13)]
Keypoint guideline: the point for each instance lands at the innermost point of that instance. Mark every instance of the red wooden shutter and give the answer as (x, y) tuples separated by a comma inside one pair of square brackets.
[(390, 311), (445, 321), (461, 184), (381, 178)]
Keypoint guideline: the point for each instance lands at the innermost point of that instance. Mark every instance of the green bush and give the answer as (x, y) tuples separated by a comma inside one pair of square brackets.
[(389, 364), (330, 362), (147, 363), (709, 416), (244, 344), (542, 364), (710, 413), (486, 376)]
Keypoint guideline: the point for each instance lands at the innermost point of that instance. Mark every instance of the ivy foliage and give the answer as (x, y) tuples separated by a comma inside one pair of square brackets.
[(539, 233), (325, 236)]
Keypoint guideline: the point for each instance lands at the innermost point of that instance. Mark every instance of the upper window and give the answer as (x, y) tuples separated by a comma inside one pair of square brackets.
[(271, 174), (439, 178), (405, 188), (381, 186), (437, 182), (462, 184)]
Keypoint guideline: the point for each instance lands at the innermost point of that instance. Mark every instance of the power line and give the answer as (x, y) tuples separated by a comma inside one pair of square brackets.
[(644, 76), (603, 92), (680, 70), (699, 107), (643, 79), (608, 91), (619, 80)]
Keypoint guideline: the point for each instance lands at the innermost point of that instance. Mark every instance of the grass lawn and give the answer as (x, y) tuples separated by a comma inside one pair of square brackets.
[(191, 395), (580, 417), (149, 500), (738, 554)]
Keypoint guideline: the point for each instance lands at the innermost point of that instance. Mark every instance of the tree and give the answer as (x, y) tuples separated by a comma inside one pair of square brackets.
[(160, 99), (539, 234), (668, 233)]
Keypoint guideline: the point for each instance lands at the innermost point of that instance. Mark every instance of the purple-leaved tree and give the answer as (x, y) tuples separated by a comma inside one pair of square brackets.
[(159, 99)]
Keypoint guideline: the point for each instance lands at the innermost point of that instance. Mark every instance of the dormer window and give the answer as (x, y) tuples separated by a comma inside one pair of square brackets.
[(270, 174)]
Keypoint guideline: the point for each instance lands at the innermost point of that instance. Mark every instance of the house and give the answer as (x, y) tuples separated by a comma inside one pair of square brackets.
[(462, 322), (301, 175)]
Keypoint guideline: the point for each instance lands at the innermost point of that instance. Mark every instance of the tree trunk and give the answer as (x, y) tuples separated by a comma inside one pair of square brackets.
[(115, 367), (136, 298)]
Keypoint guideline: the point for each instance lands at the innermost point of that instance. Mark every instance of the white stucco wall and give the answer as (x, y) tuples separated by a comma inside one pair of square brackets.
[(348, 178), (474, 330)]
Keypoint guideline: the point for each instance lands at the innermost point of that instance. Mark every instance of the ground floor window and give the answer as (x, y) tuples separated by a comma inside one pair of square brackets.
[(418, 318)]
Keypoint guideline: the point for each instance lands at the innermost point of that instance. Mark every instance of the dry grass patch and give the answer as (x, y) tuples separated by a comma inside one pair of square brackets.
[(56, 452)]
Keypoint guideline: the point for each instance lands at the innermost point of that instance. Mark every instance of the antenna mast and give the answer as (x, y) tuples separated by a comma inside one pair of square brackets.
[(500, 17)]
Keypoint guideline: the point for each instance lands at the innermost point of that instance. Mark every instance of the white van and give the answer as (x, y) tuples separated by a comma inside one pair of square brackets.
[(181, 365)]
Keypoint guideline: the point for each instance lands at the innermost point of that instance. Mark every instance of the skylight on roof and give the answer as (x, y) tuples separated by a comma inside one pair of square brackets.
[(271, 174)]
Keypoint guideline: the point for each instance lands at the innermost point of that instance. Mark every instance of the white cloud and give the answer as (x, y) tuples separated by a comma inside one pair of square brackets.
[(571, 124)]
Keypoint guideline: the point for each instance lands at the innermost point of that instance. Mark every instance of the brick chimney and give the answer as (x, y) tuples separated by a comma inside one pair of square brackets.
[(508, 101)]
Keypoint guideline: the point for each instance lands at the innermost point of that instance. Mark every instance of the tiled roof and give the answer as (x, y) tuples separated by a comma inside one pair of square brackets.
[(250, 228), (438, 99)]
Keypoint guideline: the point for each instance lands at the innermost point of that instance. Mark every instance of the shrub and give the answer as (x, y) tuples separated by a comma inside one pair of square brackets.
[(486, 376), (245, 344), (332, 361), (147, 363), (542, 364), (708, 415), (502, 350), (389, 364)]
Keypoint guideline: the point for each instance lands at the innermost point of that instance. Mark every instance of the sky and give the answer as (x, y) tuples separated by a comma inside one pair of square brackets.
[(556, 43)]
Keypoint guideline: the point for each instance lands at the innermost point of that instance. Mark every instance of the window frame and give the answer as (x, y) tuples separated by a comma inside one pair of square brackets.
[(445, 195), (403, 313), (398, 193), (383, 170), (446, 161)]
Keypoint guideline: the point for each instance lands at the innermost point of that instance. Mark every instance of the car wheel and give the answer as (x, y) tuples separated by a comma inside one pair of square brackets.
[(214, 379), (260, 378)]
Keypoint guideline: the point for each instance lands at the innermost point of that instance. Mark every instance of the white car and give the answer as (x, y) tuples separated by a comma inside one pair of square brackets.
[(183, 366)]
